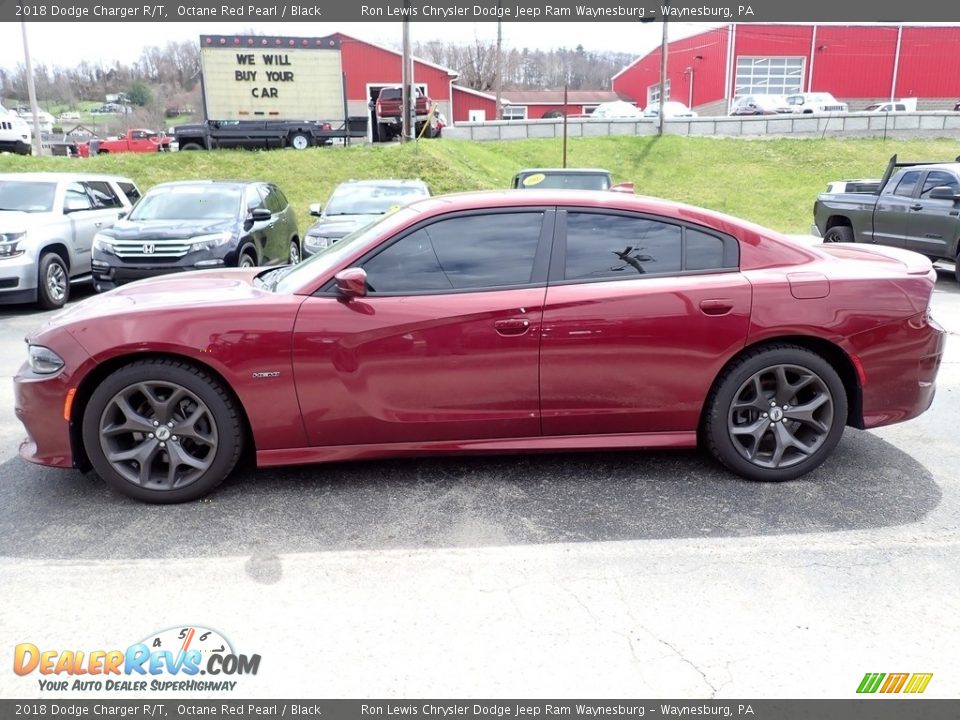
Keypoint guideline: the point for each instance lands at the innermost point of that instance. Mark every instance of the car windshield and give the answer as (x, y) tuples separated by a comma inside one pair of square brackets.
[(188, 202), (31, 197), (371, 199), (291, 277)]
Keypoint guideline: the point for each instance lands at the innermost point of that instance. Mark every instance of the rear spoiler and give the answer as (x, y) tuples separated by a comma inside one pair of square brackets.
[(894, 164)]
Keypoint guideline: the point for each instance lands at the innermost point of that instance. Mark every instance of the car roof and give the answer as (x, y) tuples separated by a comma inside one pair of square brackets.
[(60, 176), (600, 199), (385, 183), (224, 183), (565, 171)]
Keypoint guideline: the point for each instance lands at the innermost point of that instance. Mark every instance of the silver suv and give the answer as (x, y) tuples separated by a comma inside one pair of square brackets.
[(47, 224)]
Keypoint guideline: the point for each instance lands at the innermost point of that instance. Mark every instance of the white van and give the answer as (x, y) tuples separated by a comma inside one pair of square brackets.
[(14, 133), (816, 102)]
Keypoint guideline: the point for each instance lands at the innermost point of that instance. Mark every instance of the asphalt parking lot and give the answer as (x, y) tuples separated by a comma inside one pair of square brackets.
[(552, 576)]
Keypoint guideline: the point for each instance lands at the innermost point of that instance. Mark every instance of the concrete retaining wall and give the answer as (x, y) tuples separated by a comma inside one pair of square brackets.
[(900, 126)]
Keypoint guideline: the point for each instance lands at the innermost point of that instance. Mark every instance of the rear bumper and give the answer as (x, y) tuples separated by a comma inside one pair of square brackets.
[(900, 363)]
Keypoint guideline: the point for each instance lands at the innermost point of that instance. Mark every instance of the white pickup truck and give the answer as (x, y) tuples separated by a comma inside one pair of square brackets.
[(47, 224)]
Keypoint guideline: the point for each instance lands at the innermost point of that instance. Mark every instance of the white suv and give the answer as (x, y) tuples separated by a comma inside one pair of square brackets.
[(47, 224), (14, 133), (818, 102)]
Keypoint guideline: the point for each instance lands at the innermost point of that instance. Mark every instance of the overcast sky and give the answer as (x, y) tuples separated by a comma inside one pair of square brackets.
[(67, 43)]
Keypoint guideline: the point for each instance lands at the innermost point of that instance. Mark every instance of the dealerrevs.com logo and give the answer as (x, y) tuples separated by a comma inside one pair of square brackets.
[(179, 659)]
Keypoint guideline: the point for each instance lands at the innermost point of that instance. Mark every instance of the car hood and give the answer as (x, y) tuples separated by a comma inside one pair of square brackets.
[(175, 293), (14, 221), (167, 229), (339, 225)]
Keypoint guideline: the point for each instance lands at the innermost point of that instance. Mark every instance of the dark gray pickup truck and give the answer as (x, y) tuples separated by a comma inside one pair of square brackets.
[(917, 208)]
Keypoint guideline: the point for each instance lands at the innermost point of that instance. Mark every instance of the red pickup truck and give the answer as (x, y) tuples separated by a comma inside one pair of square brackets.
[(137, 141), (389, 114)]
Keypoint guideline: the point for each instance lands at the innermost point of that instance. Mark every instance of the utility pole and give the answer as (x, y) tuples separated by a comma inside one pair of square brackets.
[(32, 91), (406, 129), (498, 83), (663, 71)]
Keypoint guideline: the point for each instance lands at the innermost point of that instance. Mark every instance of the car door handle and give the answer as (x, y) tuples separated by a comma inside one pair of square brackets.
[(916, 206), (513, 326), (716, 306)]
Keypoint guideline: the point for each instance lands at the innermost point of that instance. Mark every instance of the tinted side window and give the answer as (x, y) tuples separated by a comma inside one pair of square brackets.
[(254, 198), (938, 178), (704, 252), (275, 200), (103, 194), (907, 183), (615, 246), (462, 253), (130, 190), (76, 198)]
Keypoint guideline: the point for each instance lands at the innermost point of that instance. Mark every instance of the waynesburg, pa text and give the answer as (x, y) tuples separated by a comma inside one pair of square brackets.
[(519, 12)]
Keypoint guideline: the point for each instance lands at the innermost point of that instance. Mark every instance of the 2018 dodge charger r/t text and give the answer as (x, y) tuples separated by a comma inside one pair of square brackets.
[(490, 322)]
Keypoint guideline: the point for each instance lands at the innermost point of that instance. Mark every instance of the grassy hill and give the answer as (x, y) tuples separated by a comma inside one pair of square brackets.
[(771, 182)]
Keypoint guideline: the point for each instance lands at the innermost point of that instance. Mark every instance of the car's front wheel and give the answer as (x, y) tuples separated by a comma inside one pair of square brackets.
[(776, 413), (162, 431), (294, 252), (53, 288)]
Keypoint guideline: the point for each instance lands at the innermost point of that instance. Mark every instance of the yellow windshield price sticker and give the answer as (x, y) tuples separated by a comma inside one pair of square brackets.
[(534, 179)]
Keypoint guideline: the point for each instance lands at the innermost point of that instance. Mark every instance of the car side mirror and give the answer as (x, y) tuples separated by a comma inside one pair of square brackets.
[(316, 209), (944, 192), (260, 214), (122, 214), (351, 282)]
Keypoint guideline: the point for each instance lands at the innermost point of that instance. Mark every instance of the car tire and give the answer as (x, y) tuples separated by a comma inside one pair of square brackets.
[(247, 259), (191, 146), (137, 405), (775, 413), (384, 132), (956, 269), (299, 141), (53, 282), (839, 234), (295, 254)]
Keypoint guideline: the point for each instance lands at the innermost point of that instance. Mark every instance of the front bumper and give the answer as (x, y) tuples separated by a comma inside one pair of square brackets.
[(20, 147), (40, 403), (18, 278)]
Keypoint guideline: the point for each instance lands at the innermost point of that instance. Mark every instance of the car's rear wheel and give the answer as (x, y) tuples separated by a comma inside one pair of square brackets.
[(247, 260), (191, 146), (53, 282), (776, 413), (294, 252), (839, 233), (162, 431)]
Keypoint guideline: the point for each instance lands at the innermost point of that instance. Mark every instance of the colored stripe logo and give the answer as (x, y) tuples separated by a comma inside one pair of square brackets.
[(913, 683)]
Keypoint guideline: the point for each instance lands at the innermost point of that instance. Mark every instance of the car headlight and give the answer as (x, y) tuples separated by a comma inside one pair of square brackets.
[(103, 243), (316, 242), (43, 360), (209, 242), (9, 244)]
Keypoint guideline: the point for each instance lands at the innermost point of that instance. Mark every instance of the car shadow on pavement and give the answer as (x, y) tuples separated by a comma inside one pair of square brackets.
[(461, 502)]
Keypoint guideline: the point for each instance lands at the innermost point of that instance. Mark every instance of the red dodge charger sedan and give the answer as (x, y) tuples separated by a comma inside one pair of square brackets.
[(490, 322)]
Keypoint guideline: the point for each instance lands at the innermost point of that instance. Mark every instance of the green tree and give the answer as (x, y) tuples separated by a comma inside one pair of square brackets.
[(139, 94)]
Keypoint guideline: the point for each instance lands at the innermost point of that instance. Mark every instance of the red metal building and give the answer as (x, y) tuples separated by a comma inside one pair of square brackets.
[(858, 64)]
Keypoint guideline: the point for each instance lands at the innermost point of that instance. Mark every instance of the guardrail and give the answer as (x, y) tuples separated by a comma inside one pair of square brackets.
[(892, 125)]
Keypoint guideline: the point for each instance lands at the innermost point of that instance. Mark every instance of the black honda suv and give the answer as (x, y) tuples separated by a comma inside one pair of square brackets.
[(197, 225)]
